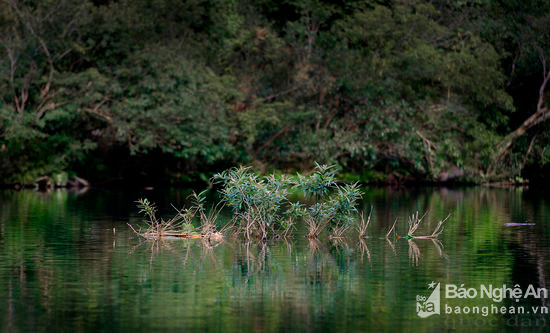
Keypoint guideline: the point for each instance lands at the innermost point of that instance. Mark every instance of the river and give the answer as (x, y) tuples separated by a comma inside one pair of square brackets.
[(69, 262)]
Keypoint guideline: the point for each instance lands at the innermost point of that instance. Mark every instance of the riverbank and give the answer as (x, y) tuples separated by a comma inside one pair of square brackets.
[(61, 180)]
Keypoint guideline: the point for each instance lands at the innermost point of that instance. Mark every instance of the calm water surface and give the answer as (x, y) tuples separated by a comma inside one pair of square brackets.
[(68, 262)]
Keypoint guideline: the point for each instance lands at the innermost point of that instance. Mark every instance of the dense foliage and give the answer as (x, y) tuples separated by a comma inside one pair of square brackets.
[(404, 89), (261, 205)]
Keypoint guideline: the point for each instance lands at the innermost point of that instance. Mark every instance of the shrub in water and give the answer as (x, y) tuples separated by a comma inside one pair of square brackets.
[(258, 202)]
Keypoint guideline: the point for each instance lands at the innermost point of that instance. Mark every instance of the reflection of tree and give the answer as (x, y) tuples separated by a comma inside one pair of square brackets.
[(532, 258), (254, 285), (40, 252)]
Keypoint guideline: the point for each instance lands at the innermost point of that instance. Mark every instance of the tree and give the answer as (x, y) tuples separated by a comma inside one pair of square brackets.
[(533, 42)]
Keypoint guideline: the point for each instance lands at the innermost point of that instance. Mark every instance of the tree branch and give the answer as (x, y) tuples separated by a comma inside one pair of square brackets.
[(101, 115), (271, 139), (541, 114)]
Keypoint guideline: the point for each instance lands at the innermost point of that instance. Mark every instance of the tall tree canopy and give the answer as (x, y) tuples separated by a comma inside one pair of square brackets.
[(411, 89)]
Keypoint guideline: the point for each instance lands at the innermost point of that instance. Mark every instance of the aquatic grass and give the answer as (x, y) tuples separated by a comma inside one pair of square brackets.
[(156, 228), (259, 202), (339, 230), (363, 225), (262, 210), (392, 229), (315, 226), (208, 220), (414, 222), (181, 224)]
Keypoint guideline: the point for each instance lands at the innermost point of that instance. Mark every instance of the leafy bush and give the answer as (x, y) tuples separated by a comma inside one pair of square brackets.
[(259, 203), (335, 204), (256, 201)]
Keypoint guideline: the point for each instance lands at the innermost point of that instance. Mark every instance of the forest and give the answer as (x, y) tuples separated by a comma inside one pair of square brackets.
[(172, 91)]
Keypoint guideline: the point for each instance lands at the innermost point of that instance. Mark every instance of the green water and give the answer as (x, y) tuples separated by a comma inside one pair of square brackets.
[(68, 262)]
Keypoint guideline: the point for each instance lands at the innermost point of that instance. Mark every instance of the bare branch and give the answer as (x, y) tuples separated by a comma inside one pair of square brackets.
[(391, 229)]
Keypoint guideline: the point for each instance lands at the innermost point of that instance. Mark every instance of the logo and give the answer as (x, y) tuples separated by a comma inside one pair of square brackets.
[(427, 307)]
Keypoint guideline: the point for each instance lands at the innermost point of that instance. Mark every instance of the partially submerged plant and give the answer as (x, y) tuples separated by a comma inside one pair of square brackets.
[(338, 231), (181, 225), (261, 208), (149, 210), (363, 225), (258, 202), (335, 204), (414, 222), (344, 204), (392, 229), (207, 219), (156, 228), (294, 211)]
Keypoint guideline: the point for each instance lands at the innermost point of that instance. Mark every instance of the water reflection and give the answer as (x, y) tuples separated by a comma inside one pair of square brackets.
[(253, 256), (363, 249), (68, 261), (414, 251)]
